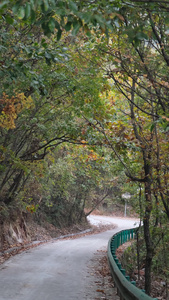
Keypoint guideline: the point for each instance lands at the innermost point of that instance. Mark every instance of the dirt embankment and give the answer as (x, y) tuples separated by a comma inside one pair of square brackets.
[(20, 228), (21, 233)]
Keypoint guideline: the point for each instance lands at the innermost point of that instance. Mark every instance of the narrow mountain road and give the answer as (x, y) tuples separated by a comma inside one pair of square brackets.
[(57, 270)]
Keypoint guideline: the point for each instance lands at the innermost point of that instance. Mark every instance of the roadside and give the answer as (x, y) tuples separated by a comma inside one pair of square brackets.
[(103, 286)]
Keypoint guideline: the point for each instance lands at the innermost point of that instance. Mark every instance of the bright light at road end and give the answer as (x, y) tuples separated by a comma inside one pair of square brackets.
[(98, 220)]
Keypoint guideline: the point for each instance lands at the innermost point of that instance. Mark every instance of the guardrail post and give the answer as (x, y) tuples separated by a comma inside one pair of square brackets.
[(125, 239), (128, 234), (116, 260), (123, 271), (119, 265)]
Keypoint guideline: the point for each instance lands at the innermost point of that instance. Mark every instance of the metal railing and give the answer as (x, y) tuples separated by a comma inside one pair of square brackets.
[(126, 289)]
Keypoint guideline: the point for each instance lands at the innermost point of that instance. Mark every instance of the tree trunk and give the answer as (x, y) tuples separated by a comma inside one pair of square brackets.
[(96, 205), (16, 182), (148, 239)]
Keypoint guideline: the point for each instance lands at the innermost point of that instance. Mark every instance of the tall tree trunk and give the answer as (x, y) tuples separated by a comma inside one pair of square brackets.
[(148, 239)]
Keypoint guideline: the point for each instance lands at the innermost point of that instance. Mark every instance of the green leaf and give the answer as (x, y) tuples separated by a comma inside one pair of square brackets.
[(27, 10), (51, 25), (44, 45), (76, 27), (15, 8), (21, 12), (9, 20), (99, 19), (59, 34), (3, 4), (87, 17), (73, 6), (32, 2), (57, 25), (33, 16), (46, 5), (68, 26), (46, 28)]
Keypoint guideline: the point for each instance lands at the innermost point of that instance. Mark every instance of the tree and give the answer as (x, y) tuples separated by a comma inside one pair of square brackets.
[(45, 87), (140, 76)]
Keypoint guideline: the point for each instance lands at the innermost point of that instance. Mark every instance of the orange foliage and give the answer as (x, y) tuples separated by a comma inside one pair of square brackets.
[(11, 107)]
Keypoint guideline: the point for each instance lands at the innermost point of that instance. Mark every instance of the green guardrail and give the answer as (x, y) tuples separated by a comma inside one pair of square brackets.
[(126, 289)]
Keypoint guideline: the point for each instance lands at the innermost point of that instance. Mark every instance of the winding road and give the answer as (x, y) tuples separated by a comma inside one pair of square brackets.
[(57, 270)]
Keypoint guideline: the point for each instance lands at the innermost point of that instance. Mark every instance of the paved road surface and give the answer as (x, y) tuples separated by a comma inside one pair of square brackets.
[(56, 270)]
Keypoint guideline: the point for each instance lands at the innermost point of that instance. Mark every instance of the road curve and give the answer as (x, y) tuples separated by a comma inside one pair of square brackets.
[(56, 270)]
